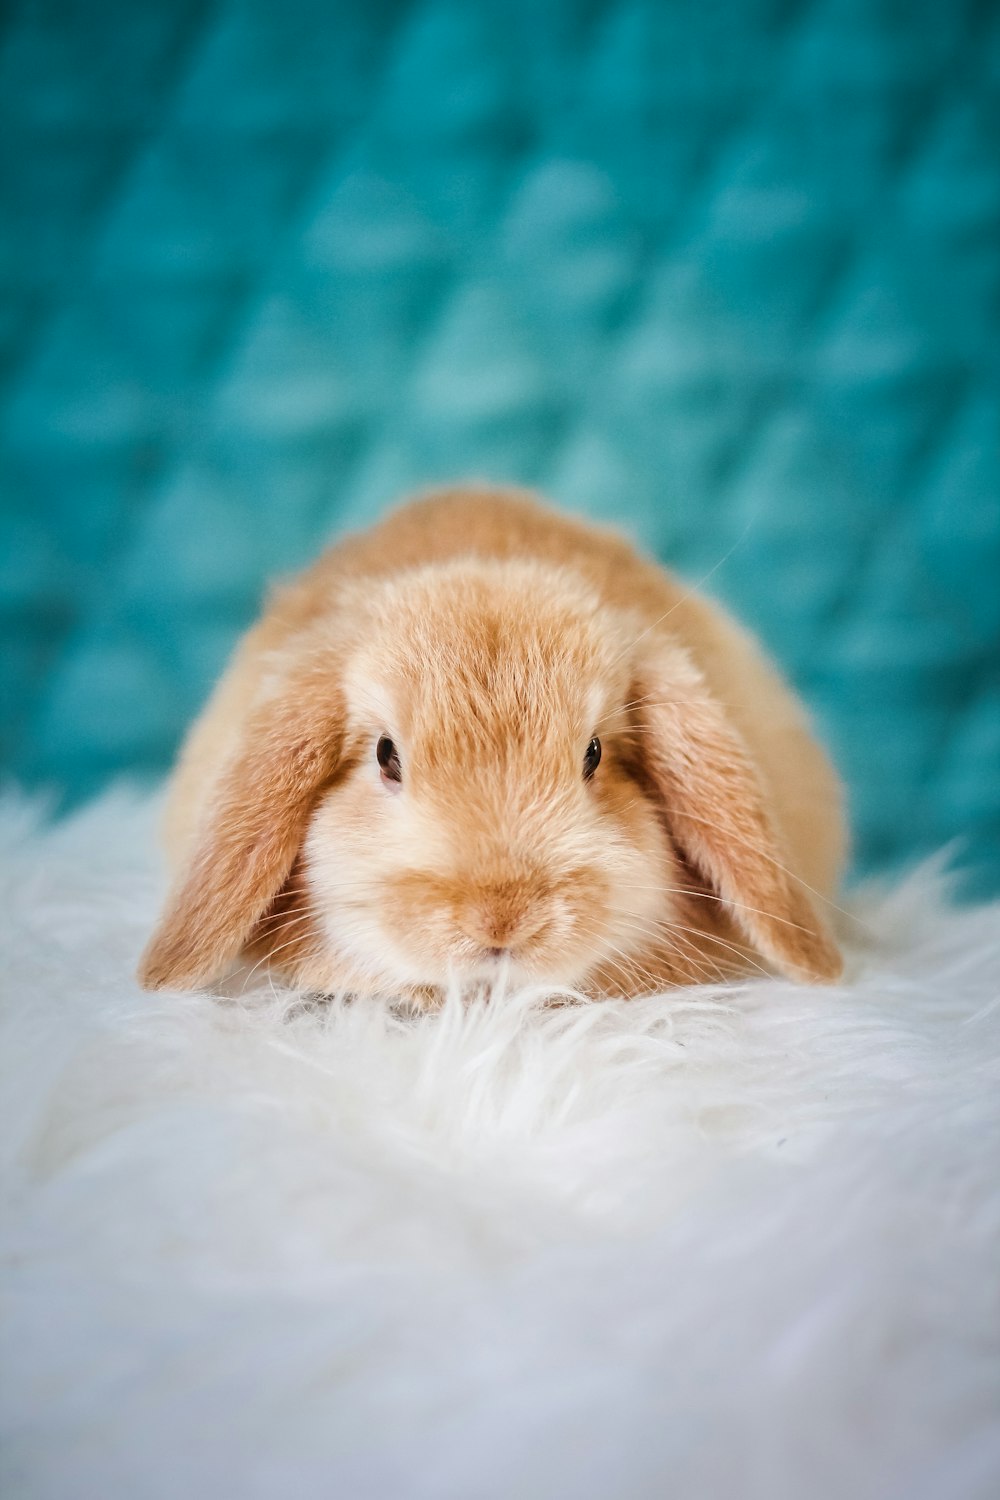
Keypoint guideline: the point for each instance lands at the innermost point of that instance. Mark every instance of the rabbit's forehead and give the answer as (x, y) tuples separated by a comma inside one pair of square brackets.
[(512, 679)]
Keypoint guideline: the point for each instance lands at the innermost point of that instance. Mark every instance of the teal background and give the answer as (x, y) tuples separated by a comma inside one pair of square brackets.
[(728, 274)]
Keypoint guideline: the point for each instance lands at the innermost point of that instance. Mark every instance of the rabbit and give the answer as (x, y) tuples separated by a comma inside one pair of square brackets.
[(484, 739)]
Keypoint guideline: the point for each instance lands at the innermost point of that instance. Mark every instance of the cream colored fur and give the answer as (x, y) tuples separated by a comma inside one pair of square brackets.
[(492, 638)]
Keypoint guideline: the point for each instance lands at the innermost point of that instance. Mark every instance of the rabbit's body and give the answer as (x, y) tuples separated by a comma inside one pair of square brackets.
[(492, 642)]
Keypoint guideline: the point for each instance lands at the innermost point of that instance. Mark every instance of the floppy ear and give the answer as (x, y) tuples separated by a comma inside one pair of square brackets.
[(289, 746), (715, 807)]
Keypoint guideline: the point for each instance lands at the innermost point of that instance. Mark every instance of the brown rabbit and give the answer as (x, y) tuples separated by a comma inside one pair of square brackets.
[(484, 738)]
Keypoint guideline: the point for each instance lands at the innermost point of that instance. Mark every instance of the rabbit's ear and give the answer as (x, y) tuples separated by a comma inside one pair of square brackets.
[(289, 747), (714, 804)]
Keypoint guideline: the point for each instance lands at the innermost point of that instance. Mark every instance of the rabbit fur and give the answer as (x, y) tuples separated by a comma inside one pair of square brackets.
[(491, 642)]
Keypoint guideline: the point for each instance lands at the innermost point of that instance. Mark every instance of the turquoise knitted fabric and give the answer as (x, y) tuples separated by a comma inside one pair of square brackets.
[(726, 273)]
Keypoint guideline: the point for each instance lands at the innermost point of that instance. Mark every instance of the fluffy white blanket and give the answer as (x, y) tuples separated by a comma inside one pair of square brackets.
[(730, 1243)]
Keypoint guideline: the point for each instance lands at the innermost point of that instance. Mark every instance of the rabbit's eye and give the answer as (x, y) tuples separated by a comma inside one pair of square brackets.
[(388, 758), (592, 758)]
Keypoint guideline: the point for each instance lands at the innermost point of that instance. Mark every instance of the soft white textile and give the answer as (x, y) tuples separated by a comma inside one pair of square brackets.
[(710, 1244)]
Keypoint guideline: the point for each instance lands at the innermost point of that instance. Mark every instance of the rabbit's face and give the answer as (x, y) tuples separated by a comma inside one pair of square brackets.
[(487, 820)]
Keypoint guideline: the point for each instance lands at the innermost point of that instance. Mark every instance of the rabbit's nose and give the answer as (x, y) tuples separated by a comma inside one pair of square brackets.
[(496, 918), (488, 927)]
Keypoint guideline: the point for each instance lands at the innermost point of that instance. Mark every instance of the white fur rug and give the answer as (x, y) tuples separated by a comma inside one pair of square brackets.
[(740, 1244)]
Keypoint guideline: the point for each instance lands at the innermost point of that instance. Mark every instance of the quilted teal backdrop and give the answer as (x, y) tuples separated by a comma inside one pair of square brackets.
[(728, 273)]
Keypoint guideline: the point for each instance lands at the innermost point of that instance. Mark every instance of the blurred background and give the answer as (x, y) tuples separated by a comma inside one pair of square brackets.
[(727, 274)]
